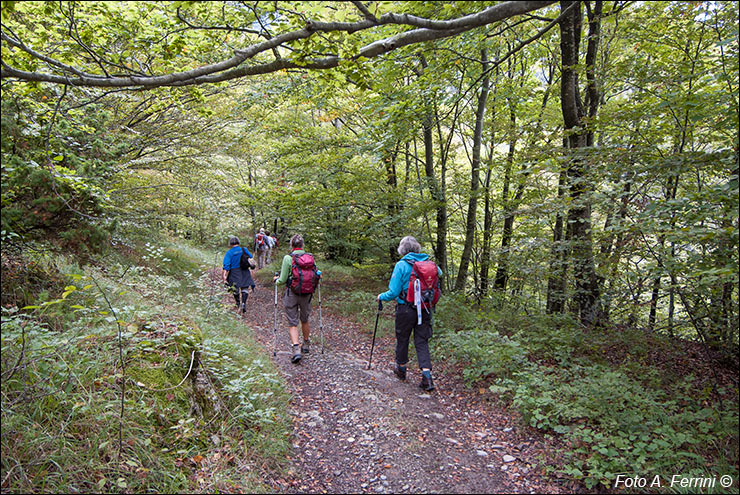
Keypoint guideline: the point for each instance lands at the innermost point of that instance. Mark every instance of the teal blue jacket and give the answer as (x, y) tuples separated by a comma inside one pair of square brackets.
[(400, 278)]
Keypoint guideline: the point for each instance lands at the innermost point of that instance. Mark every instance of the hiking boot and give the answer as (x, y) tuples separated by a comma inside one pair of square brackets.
[(305, 347), (427, 383), (297, 356), (400, 372), (243, 308)]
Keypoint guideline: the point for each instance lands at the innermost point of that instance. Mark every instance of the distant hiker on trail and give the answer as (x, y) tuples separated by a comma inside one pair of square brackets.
[(300, 276), (260, 248), (270, 245), (236, 272), (414, 278)]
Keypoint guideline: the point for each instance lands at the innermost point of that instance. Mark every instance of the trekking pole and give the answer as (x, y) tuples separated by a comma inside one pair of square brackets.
[(274, 349), (380, 308), (321, 322)]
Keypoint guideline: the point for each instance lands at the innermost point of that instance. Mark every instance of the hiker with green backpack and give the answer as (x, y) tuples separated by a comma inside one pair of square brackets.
[(414, 285), (236, 272), (300, 276)]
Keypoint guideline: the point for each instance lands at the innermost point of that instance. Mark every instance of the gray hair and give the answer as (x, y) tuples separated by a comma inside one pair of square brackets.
[(233, 241), (296, 241), (408, 245)]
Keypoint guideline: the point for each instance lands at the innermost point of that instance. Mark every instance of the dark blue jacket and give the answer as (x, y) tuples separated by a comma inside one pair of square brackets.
[(233, 257)]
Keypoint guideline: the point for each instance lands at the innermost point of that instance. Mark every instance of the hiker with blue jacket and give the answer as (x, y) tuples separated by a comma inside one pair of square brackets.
[(237, 279), (409, 317)]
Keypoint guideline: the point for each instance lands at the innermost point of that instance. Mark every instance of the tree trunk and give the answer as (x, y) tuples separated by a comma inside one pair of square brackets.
[(558, 259), (394, 202), (587, 291), (487, 224), (435, 189), (502, 272), (442, 220), (462, 273), (654, 304)]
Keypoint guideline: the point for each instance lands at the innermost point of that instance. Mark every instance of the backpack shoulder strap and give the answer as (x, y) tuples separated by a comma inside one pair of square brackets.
[(404, 288)]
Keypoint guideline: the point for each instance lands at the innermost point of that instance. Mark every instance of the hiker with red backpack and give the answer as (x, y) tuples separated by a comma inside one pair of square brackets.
[(260, 248), (415, 286), (301, 277)]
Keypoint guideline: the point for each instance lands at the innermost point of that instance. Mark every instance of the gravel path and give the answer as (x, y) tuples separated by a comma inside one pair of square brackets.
[(364, 431)]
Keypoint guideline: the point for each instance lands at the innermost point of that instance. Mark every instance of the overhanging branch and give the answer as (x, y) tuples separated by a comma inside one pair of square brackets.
[(233, 68)]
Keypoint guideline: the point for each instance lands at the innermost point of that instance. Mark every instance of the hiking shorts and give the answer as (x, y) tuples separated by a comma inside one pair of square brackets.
[(296, 307)]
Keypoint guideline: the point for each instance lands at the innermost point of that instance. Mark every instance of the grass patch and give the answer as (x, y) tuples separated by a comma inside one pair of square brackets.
[(63, 385)]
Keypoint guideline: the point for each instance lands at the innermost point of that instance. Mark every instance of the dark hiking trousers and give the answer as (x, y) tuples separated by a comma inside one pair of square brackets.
[(239, 280), (405, 324)]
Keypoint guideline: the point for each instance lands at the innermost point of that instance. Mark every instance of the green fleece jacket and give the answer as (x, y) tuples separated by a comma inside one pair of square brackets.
[(287, 267)]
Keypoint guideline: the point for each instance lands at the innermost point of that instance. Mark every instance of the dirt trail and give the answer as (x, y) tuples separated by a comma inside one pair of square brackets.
[(364, 431)]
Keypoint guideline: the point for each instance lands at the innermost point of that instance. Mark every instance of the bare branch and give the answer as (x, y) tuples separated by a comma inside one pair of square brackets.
[(366, 13)]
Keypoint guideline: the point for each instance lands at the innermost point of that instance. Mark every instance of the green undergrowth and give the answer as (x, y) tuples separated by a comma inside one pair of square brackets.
[(196, 406), (353, 291), (608, 395)]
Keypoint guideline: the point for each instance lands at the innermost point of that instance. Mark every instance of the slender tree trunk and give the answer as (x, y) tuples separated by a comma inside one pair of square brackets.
[(654, 304), (486, 247), (436, 189), (487, 225), (502, 272), (613, 250), (558, 258), (421, 191), (487, 208), (670, 193), (462, 273), (394, 203), (442, 219), (672, 288)]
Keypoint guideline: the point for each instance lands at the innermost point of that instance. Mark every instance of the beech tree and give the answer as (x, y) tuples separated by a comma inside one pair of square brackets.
[(269, 37)]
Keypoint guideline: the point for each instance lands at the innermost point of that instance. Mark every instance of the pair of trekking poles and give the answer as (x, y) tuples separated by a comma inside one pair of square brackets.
[(321, 321), (321, 324)]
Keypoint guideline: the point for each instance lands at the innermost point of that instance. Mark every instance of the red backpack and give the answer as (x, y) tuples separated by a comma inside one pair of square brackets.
[(303, 276), (428, 276)]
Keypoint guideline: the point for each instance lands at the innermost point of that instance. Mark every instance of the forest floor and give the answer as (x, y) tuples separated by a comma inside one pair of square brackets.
[(360, 430)]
